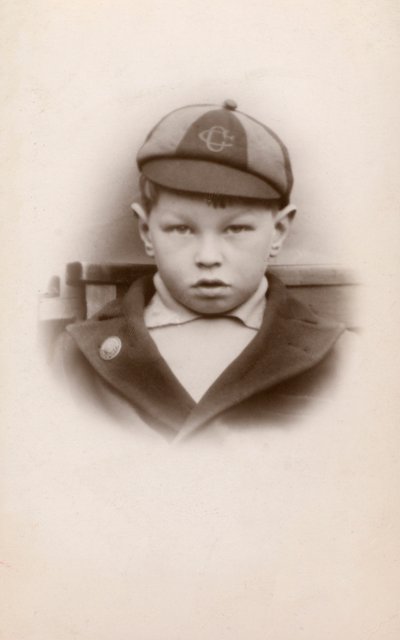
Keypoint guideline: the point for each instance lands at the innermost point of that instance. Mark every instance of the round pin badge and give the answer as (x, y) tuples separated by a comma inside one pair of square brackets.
[(110, 348)]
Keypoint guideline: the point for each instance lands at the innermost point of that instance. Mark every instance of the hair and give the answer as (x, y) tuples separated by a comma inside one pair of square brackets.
[(150, 191)]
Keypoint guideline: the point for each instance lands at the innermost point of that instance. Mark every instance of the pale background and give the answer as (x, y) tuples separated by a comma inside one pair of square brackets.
[(271, 535), (90, 78)]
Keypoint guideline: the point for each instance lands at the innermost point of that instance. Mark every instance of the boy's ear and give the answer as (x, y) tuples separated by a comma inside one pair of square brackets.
[(282, 223), (143, 227)]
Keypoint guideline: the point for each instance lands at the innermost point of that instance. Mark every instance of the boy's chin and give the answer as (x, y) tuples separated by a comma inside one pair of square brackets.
[(211, 307)]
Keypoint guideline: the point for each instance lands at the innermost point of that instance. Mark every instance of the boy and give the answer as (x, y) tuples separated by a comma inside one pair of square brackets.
[(210, 338)]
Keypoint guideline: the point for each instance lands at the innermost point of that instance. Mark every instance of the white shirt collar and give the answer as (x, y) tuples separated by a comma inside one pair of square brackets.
[(164, 310)]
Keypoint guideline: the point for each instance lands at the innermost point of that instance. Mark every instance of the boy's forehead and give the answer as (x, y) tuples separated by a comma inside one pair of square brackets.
[(199, 209)]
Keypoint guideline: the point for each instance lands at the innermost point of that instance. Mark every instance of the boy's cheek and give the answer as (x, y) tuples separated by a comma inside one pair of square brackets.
[(173, 252)]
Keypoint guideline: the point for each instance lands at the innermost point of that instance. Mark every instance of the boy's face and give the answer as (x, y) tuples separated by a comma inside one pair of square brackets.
[(211, 260)]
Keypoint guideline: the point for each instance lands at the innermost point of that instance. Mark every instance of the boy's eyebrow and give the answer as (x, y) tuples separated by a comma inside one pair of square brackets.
[(247, 212), (190, 214), (174, 213)]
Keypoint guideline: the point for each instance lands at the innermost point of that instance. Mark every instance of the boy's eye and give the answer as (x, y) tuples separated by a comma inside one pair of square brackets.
[(238, 228), (182, 229)]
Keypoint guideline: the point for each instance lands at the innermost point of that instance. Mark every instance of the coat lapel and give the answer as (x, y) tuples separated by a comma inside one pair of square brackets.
[(291, 340), (139, 372)]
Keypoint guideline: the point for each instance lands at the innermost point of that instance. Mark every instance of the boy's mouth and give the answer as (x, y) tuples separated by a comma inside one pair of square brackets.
[(210, 284), (210, 287)]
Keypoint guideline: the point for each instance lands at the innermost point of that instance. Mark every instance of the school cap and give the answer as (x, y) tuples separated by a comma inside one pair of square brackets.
[(213, 149)]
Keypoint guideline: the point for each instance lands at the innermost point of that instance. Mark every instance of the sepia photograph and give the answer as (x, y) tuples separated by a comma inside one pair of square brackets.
[(210, 335), (200, 402)]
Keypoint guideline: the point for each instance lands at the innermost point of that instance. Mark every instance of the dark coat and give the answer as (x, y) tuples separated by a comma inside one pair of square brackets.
[(274, 378)]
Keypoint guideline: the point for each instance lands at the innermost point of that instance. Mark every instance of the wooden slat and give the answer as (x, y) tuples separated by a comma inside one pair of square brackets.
[(331, 290), (336, 302), (79, 273), (314, 275), (97, 296)]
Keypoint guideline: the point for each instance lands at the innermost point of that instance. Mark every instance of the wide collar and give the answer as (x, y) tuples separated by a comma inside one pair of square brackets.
[(292, 339), (163, 310)]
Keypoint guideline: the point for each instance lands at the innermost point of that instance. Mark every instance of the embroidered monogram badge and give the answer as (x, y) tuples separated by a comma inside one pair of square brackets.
[(217, 138)]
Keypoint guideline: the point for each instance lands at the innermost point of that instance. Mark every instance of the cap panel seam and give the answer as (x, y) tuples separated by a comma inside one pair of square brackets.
[(203, 109), (283, 147)]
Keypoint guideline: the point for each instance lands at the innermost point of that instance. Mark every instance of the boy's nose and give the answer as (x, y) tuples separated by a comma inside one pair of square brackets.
[(208, 253)]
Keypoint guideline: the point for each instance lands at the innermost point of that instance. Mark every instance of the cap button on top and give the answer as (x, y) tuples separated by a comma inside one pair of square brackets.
[(110, 348), (230, 104)]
